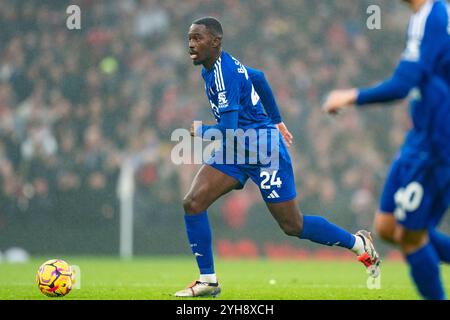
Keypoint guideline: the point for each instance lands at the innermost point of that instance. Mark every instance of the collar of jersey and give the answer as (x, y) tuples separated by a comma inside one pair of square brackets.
[(219, 60)]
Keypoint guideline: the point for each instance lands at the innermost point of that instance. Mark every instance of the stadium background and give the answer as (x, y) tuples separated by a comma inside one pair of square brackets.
[(75, 103)]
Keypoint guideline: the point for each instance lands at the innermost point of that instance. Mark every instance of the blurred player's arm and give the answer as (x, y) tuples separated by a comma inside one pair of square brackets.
[(264, 91), (416, 62), (406, 77)]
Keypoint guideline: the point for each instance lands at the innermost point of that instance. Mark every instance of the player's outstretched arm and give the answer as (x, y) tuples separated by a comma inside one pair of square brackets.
[(339, 99), (416, 62), (405, 78), (265, 92)]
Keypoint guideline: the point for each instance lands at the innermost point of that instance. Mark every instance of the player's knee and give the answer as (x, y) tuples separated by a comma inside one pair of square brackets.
[(410, 240), (384, 226), (192, 204), (384, 233)]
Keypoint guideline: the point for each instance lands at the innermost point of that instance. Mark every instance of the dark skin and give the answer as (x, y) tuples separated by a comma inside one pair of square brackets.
[(210, 184), (390, 231), (205, 46)]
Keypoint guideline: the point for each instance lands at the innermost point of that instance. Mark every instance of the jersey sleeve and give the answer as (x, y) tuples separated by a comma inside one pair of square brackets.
[(229, 120), (228, 83), (264, 91), (405, 77)]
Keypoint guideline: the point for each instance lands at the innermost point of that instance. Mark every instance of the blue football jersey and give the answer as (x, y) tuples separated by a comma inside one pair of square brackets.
[(424, 74), (428, 48), (428, 42), (229, 88)]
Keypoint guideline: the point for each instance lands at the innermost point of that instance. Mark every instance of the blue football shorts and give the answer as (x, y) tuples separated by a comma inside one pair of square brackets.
[(276, 183), (417, 192)]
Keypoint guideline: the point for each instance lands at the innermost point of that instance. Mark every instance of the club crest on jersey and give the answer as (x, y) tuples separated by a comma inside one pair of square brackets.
[(222, 99)]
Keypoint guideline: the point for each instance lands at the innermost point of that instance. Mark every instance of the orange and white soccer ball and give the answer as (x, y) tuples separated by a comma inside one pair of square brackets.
[(55, 278)]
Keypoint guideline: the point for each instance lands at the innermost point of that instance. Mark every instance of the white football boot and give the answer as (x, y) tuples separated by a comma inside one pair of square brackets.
[(200, 289), (370, 257)]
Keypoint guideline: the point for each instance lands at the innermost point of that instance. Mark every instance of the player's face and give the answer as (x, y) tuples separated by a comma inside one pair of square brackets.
[(201, 44)]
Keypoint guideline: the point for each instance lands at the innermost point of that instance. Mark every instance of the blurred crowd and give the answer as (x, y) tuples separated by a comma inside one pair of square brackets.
[(76, 104)]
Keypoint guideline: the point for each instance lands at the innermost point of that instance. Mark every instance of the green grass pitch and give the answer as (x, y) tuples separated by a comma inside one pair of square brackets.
[(158, 278)]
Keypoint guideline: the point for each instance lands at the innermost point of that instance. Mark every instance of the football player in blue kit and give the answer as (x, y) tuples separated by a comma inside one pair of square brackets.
[(235, 93), (417, 191)]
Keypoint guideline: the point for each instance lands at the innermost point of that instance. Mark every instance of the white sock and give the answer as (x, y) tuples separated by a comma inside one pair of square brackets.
[(209, 278), (358, 248)]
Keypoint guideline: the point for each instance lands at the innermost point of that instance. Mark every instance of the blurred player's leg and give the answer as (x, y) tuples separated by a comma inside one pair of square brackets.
[(319, 230), (385, 225), (418, 194), (423, 262), (441, 242), (208, 185)]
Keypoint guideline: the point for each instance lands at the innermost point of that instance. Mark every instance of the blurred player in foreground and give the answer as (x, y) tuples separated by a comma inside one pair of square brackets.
[(417, 191), (235, 94)]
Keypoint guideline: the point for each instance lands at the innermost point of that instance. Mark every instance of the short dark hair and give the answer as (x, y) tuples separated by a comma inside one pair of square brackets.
[(212, 24)]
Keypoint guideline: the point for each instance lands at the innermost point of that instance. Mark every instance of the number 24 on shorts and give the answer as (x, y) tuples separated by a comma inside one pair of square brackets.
[(272, 176)]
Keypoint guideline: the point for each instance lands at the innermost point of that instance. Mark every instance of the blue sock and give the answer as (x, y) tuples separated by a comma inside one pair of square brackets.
[(424, 269), (441, 243), (319, 230), (200, 239)]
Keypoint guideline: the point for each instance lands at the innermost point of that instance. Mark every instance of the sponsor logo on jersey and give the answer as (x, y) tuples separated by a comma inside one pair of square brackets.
[(222, 99)]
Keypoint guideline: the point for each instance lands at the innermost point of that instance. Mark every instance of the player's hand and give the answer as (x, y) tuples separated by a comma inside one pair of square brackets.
[(194, 127), (339, 99), (287, 136)]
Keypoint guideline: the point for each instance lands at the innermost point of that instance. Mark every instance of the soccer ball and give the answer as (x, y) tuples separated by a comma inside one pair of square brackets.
[(55, 278)]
